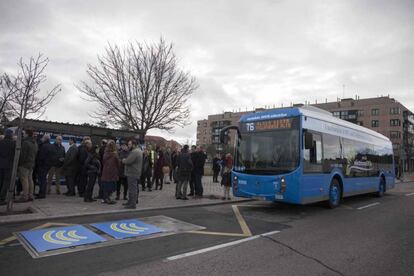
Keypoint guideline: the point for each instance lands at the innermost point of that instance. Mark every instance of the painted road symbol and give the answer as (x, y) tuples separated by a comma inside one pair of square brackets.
[(126, 228), (56, 238)]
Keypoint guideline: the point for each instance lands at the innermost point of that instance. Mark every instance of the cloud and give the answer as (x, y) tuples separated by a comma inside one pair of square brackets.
[(243, 54)]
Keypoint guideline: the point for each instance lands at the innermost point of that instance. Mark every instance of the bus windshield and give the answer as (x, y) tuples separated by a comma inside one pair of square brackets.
[(270, 147)]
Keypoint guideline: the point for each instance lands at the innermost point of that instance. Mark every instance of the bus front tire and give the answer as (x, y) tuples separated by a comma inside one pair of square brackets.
[(335, 193), (381, 188)]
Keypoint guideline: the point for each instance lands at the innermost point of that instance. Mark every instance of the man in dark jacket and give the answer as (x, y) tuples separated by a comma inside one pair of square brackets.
[(45, 162), (216, 168), (70, 167), (123, 153), (198, 162), (56, 170), (26, 164), (7, 147), (192, 177), (101, 154), (184, 168), (146, 171), (83, 173)]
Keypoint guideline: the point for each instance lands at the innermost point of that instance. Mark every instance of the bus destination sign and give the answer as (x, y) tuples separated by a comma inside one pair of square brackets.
[(269, 125)]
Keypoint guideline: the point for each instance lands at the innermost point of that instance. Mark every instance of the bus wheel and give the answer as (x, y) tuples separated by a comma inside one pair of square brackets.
[(381, 188), (334, 194)]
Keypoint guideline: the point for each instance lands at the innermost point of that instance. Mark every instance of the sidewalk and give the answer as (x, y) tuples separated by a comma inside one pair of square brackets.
[(57, 206), (407, 177)]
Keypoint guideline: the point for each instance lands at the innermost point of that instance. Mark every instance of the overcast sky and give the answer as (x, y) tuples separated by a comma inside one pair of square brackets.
[(245, 54)]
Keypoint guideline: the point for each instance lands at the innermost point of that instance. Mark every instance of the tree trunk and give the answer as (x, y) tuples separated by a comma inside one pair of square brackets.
[(10, 192)]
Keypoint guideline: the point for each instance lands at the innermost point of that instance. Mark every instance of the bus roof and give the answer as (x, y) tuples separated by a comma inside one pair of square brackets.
[(310, 111)]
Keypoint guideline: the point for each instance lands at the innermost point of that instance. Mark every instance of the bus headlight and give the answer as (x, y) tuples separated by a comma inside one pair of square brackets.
[(282, 185), (235, 182)]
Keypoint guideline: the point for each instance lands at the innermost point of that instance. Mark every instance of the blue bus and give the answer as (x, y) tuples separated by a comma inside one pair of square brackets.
[(303, 155)]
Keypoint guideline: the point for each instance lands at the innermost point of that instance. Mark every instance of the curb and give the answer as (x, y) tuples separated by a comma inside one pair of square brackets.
[(122, 211)]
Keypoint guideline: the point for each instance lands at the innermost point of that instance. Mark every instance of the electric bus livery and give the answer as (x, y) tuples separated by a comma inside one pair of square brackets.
[(304, 155)]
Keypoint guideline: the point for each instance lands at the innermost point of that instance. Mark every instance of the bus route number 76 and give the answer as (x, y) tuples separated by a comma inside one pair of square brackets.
[(250, 127)]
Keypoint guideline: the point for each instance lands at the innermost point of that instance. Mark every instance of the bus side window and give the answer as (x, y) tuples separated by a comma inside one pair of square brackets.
[(313, 152)]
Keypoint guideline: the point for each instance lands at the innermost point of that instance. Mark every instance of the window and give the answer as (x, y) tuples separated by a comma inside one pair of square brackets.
[(395, 134), (396, 147), (374, 123), (360, 113), (313, 152), (331, 152), (395, 110), (395, 122), (337, 114), (375, 112)]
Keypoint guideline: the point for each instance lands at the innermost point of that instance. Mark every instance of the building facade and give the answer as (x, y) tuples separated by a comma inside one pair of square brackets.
[(382, 114)]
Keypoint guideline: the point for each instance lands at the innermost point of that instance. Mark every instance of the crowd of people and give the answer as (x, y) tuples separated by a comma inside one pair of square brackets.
[(113, 166)]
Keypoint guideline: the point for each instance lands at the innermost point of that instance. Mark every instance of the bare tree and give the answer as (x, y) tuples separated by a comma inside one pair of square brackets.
[(140, 87), (5, 97), (27, 100)]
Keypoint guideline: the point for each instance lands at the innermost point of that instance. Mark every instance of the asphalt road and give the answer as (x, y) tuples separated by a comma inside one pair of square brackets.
[(366, 236)]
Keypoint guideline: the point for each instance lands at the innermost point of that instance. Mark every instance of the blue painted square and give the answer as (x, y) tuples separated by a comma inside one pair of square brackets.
[(61, 237), (126, 228)]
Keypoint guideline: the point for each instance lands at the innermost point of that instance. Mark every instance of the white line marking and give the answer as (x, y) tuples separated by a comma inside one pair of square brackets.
[(369, 205), (212, 248), (409, 194), (269, 233)]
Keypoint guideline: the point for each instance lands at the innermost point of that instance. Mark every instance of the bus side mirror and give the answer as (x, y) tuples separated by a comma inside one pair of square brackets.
[(224, 139), (308, 140)]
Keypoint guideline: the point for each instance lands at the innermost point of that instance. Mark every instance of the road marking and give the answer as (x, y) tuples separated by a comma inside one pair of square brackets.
[(241, 221), (367, 206), (218, 233), (409, 194), (219, 246), (46, 225)]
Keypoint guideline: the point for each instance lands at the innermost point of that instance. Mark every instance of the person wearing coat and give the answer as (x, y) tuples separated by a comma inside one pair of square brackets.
[(26, 164), (133, 170), (82, 156), (184, 168), (56, 170), (216, 168), (123, 181), (45, 162), (70, 167), (158, 173), (93, 168), (146, 171), (226, 179), (110, 171), (7, 147)]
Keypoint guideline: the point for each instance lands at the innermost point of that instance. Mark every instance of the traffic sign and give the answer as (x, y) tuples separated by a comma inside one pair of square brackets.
[(126, 228), (62, 237)]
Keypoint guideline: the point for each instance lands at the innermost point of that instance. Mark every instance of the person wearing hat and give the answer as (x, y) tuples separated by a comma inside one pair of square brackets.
[(7, 147)]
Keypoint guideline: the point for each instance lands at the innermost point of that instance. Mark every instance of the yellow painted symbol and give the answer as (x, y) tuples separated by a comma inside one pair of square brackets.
[(61, 238), (128, 229), (72, 234), (46, 225), (48, 237)]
